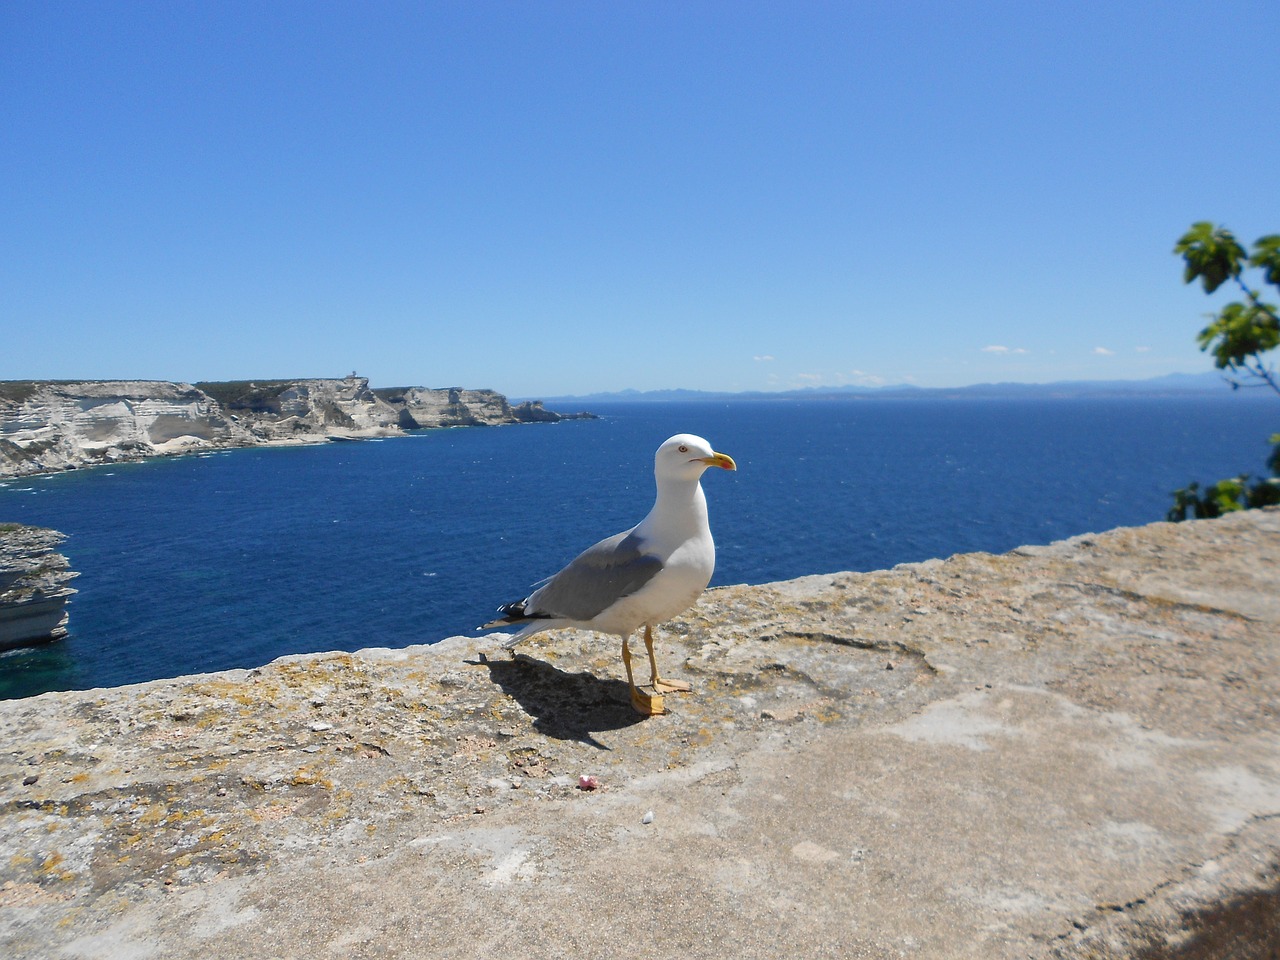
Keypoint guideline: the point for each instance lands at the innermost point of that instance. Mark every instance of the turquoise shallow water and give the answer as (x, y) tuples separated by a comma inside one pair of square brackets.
[(205, 563)]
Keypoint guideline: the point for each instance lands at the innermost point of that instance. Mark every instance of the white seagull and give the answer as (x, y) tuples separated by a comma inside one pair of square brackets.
[(640, 577)]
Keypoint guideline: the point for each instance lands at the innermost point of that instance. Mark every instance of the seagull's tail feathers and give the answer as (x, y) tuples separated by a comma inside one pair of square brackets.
[(517, 615)]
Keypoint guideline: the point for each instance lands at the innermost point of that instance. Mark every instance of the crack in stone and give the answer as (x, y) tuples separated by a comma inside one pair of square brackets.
[(858, 643), (1136, 596)]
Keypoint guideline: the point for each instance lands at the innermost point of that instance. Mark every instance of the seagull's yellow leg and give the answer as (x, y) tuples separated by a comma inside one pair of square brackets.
[(643, 703), (659, 685)]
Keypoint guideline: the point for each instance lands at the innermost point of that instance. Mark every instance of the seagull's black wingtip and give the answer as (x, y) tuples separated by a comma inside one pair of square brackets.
[(514, 614)]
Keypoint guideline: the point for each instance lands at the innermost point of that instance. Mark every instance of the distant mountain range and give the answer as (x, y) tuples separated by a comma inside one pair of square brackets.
[(1172, 384)]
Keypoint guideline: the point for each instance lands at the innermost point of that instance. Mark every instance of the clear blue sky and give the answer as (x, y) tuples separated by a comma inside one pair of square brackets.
[(551, 197)]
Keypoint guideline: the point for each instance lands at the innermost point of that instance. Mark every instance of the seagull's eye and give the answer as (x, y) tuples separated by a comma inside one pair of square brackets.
[(683, 448)]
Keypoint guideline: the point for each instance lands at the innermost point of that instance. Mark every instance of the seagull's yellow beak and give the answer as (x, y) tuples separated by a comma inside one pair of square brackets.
[(721, 460)]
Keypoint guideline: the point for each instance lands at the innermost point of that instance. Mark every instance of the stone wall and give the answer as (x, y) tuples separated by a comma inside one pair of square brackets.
[(1069, 750)]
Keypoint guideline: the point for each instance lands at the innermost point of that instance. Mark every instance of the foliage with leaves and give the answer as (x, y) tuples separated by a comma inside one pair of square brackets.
[(1241, 332), (1237, 336)]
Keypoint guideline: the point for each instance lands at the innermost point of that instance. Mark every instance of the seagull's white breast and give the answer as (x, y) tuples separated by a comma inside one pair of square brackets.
[(674, 589)]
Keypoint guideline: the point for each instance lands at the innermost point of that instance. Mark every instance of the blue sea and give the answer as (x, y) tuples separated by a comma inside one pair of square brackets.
[(230, 560)]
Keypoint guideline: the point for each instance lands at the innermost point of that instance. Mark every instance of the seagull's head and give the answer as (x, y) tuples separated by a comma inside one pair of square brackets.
[(685, 456)]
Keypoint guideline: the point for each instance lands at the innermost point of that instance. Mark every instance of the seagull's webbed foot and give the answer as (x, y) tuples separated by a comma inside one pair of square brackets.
[(659, 685), (649, 705)]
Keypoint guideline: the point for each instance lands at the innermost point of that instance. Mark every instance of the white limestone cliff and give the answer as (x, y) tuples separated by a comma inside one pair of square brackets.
[(47, 426), (59, 425)]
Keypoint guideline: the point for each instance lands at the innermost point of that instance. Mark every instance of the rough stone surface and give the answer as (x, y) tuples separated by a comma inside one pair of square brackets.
[(47, 426), (34, 586), (1066, 751)]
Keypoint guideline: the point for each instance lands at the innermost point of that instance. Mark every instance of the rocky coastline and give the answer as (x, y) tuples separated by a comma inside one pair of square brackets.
[(49, 426), (34, 586)]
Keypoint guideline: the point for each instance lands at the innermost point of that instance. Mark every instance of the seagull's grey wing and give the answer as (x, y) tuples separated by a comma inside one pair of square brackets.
[(597, 578)]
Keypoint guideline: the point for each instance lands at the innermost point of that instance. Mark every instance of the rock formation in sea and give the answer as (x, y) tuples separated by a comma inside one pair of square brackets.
[(47, 426), (34, 589), (456, 407)]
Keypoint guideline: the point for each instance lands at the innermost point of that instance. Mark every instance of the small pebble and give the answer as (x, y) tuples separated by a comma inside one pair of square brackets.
[(647, 818), (31, 780), (320, 726), (587, 783)]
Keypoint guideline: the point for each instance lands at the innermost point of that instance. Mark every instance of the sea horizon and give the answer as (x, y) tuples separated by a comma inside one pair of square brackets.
[(1167, 384)]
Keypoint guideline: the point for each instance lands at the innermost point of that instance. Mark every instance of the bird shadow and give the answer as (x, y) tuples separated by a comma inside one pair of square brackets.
[(565, 706)]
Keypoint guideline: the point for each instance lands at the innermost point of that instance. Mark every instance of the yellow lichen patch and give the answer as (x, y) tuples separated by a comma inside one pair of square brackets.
[(180, 817), (310, 777), (232, 690), (51, 868), (701, 738), (337, 813), (152, 815), (827, 714)]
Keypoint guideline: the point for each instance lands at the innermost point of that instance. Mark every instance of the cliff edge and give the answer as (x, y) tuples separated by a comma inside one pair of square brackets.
[(1064, 751), (47, 426)]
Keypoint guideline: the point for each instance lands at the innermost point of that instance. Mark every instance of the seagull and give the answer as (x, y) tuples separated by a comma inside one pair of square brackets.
[(638, 578)]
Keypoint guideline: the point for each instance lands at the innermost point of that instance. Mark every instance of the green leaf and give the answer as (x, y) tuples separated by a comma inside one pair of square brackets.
[(1240, 331), (1228, 495), (1211, 253), (1266, 254)]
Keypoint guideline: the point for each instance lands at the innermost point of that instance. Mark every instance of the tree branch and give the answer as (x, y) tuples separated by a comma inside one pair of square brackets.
[(1267, 377), (1255, 299)]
